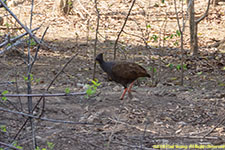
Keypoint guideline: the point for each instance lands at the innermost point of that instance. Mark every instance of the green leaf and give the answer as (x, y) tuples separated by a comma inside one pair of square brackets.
[(163, 1), (154, 37), (25, 78), (148, 26), (3, 128), (178, 67), (5, 92), (37, 148), (178, 33), (32, 42), (171, 36), (37, 80), (185, 66), (50, 145), (199, 73), (222, 84), (169, 65), (223, 68), (4, 99), (67, 90)]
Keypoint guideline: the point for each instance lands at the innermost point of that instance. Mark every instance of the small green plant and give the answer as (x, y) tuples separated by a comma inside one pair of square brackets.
[(178, 33), (170, 65), (154, 37), (50, 147), (67, 90), (148, 26), (154, 69), (37, 81), (26, 78), (199, 73), (32, 42), (179, 66), (3, 128), (3, 93), (92, 88), (17, 146)]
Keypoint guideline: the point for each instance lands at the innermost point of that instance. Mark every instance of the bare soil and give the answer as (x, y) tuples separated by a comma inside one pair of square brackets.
[(161, 111)]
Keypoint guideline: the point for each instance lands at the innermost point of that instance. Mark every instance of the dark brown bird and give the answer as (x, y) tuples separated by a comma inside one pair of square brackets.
[(124, 73)]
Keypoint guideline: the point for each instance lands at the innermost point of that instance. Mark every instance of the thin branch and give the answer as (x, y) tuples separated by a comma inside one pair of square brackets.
[(22, 25), (16, 38), (9, 146), (56, 76), (96, 37), (142, 139), (36, 53), (186, 136), (205, 14), (42, 98), (47, 119), (215, 127), (43, 95), (118, 36), (29, 88)]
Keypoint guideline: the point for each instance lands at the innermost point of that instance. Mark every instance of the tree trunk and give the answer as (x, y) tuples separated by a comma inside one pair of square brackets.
[(63, 7), (192, 25), (195, 44)]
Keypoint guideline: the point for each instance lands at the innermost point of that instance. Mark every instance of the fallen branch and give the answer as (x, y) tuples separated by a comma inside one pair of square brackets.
[(9, 146), (186, 136), (16, 38), (43, 95), (22, 25), (210, 131), (47, 119)]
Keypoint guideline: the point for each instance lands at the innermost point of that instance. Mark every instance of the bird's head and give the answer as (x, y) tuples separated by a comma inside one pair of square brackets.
[(99, 58)]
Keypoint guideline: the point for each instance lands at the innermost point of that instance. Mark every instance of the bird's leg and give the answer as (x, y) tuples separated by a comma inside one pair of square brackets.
[(124, 92), (129, 88)]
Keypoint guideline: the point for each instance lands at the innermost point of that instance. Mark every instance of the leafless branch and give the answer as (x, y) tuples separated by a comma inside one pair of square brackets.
[(215, 127), (205, 14), (96, 37), (9, 146), (186, 136), (43, 95), (56, 76), (47, 119), (22, 25), (42, 98), (118, 36), (16, 38)]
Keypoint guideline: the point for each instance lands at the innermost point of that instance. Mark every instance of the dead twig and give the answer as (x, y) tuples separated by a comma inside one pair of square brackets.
[(47, 119), (96, 37), (9, 146), (42, 98), (186, 136), (22, 25), (118, 36), (16, 38), (43, 95), (210, 131)]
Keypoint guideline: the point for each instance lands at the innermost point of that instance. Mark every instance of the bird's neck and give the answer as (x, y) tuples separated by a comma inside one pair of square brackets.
[(106, 66)]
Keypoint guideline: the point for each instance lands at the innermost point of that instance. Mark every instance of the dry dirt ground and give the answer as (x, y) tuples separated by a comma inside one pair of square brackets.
[(164, 114)]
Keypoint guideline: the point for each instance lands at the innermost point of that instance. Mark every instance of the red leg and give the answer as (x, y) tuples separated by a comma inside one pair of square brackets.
[(129, 88), (124, 92)]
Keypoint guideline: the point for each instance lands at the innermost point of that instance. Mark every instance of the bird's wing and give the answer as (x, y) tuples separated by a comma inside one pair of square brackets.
[(128, 70)]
